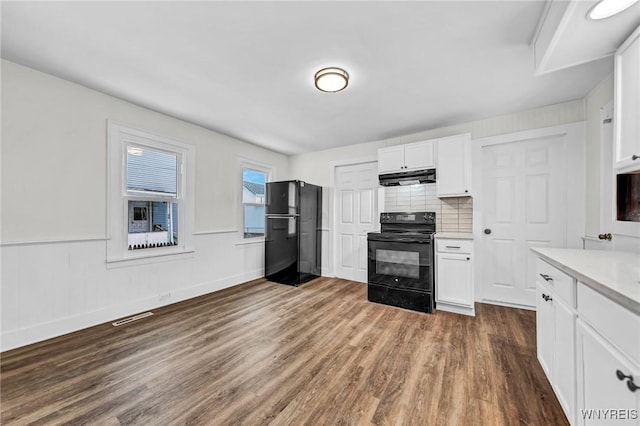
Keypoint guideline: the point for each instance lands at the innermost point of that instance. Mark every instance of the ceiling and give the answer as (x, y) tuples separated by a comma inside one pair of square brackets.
[(246, 68)]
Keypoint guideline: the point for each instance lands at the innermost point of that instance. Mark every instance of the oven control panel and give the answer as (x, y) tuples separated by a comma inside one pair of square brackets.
[(408, 217)]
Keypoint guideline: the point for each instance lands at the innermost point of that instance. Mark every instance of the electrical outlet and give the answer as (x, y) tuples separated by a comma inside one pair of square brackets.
[(165, 296)]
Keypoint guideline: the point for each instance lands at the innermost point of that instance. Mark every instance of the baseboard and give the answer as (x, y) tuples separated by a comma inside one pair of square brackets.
[(507, 304), (25, 336), (456, 309)]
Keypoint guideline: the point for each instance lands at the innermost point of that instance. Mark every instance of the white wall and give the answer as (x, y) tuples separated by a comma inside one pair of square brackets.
[(54, 152), (53, 233)]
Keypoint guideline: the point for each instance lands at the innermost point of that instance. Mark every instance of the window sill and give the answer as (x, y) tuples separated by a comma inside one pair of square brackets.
[(249, 241), (144, 259)]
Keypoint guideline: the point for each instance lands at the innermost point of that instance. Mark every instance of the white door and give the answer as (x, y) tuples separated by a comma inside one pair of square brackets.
[(523, 207), (357, 214)]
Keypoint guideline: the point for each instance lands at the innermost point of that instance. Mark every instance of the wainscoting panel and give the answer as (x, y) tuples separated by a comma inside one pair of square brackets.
[(50, 289)]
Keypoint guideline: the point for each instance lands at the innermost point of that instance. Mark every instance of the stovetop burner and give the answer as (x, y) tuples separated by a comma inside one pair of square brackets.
[(408, 223)]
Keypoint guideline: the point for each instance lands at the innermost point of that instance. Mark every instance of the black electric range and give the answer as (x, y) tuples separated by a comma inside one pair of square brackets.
[(401, 261)]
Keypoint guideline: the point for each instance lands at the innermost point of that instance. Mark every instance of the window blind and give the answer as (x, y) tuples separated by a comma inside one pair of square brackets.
[(153, 171)]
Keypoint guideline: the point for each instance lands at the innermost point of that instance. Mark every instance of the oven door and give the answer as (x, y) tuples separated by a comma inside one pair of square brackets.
[(403, 263)]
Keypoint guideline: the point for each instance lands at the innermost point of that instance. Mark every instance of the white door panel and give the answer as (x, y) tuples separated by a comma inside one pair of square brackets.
[(357, 186), (362, 255), (346, 206), (523, 207), (366, 206), (347, 249)]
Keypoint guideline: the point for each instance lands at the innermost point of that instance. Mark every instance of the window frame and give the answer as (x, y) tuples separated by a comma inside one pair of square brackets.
[(258, 167), (120, 138)]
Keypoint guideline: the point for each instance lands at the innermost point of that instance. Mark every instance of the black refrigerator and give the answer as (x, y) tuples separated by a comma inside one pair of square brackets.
[(293, 244)]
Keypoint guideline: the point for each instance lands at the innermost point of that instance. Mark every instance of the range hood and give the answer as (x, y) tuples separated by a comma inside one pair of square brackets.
[(408, 178)]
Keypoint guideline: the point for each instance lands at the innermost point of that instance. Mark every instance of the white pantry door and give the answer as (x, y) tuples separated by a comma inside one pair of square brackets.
[(523, 205), (356, 187)]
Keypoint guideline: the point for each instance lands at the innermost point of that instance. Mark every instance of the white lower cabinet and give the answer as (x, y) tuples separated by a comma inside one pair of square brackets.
[(589, 348), (564, 376), (555, 334), (608, 382), (545, 330), (454, 276)]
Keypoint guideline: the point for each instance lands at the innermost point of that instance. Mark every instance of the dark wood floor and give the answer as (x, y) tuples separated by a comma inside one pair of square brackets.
[(265, 353)]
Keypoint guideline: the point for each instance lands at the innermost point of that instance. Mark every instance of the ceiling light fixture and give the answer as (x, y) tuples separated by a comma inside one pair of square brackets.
[(607, 8), (331, 79)]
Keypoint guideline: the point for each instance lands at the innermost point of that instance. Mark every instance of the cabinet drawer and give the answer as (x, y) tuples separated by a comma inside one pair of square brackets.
[(617, 324), (454, 246), (562, 284)]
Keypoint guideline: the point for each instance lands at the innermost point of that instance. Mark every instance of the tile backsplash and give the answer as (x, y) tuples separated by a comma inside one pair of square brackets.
[(452, 214)]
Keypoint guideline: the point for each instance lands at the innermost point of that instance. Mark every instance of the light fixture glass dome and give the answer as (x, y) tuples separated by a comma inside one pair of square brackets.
[(607, 8), (331, 79)]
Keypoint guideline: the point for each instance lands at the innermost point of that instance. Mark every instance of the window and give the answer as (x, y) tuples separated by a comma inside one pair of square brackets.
[(152, 198), (253, 198), (150, 183)]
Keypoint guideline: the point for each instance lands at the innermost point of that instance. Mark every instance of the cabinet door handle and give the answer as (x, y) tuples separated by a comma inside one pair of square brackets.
[(457, 247), (468, 258), (546, 297), (632, 386), (634, 157), (546, 277)]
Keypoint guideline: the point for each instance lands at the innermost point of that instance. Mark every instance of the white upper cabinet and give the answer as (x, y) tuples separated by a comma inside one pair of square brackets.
[(419, 155), (454, 166), (391, 159), (626, 156), (403, 158)]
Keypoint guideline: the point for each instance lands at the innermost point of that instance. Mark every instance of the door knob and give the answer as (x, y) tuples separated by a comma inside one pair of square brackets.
[(487, 231)]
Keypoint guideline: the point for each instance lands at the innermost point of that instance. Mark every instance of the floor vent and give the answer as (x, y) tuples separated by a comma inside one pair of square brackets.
[(131, 319)]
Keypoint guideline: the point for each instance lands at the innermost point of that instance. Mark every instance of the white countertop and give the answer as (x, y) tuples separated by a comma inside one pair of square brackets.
[(454, 235), (615, 274)]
